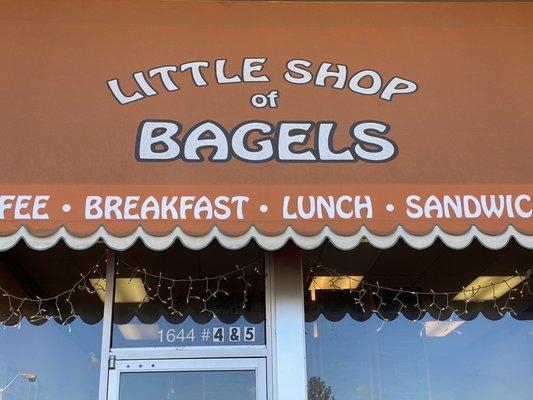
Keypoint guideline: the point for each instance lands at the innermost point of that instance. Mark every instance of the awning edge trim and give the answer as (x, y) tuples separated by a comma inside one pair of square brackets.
[(267, 242)]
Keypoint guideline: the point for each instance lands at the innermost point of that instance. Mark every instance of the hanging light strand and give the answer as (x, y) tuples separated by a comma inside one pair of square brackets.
[(381, 297), (41, 305), (61, 306), (212, 286)]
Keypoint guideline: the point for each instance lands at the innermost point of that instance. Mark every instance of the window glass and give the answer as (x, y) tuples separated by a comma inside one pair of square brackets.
[(190, 385), (180, 297), (62, 351), (371, 342)]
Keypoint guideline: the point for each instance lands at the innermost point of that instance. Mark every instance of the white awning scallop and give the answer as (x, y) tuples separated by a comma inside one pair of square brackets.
[(268, 242)]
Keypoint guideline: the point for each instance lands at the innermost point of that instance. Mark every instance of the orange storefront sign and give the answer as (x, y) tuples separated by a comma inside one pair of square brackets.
[(165, 114)]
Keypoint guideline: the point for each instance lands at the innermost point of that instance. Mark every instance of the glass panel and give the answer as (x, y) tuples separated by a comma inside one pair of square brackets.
[(181, 297), (204, 385), (67, 364), (395, 324), (47, 340), (490, 360)]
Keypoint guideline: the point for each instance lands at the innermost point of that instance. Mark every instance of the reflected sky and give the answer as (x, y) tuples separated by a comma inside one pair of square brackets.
[(212, 385), (67, 363), (405, 360)]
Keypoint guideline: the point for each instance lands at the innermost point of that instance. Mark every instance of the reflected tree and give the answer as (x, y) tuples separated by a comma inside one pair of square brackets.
[(318, 390)]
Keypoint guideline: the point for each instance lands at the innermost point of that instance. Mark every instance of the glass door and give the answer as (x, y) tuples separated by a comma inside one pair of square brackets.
[(198, 379)]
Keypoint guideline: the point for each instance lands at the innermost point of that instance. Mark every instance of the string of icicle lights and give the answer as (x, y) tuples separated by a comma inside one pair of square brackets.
[(51, 307), (366, 294), (163, 289), (61, 308)]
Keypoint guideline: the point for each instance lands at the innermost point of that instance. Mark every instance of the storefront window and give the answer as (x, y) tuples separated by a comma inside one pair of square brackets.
[(57, 342), (369, 342), (180, 297)]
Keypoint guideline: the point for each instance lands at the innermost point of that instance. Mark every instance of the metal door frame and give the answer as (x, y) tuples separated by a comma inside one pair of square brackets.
[(283, 353), (258, 365)]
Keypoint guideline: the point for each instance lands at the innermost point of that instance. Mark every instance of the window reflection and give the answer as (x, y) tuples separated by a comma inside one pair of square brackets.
[(184, 298), (366, 343), (481, 358), (212, 385), (64, 353), (67, 364)]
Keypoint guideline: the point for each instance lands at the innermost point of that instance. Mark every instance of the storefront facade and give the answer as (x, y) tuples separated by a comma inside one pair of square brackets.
[(264, 200)]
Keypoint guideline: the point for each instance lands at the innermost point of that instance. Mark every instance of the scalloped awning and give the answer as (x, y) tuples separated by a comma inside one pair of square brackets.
[(269, 121)]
